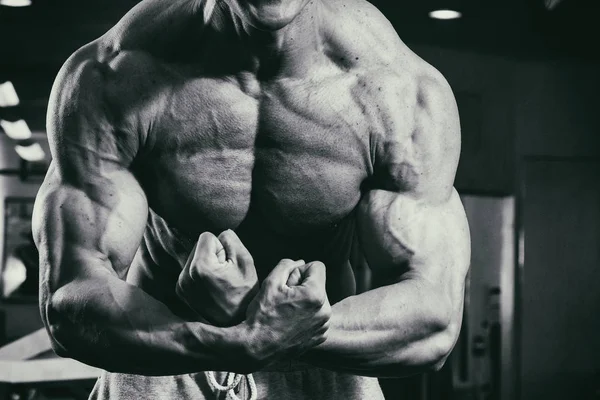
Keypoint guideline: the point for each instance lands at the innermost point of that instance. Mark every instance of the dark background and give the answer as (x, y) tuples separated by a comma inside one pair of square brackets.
[(526, 81), (35, 41)]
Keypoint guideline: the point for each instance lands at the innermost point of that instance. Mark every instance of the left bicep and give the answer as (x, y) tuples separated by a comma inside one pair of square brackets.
[(412, 223), (420, 248), (405, 237)]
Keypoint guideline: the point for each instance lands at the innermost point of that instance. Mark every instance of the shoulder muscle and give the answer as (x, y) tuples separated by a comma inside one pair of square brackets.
[(86, 132), (418, 148), (416, 134)]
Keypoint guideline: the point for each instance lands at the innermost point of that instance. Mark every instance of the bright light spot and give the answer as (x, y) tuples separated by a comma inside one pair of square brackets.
[(552, 4), (13, 276), (18, 130), (8, 95), (31, 153), (15, 3), (445, 14)]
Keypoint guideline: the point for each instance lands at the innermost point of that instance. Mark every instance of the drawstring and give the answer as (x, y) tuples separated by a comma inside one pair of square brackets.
[(232, 381)]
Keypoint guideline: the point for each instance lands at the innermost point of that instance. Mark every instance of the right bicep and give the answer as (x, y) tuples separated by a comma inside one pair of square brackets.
[(90, 212), (83, 232)]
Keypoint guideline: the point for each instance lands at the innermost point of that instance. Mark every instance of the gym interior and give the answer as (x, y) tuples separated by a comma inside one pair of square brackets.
[(526, 78)]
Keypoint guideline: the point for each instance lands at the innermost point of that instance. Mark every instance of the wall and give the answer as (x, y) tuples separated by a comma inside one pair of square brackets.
[(557, 108), (561, 302), (559, 161), (538, 136), (481, 363), (484, 89)]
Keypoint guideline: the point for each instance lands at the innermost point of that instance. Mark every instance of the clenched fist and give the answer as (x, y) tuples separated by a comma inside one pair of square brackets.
[(290, 314), (219, 279)]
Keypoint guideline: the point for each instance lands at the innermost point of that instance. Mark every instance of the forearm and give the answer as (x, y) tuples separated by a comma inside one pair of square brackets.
[(391, 331), (112, 325)]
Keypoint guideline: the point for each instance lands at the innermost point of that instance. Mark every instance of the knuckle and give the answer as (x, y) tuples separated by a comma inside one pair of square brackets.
[(228, 236), (320, 340), (327, 314), (324, 337), (318, 266), (206, 245), (269, 284), (246, 260), (192, 264), (197, 272), (314, 302), (226, 233), (315, 298), (201, 253), (324, 314), (323, 331), (206, 236)]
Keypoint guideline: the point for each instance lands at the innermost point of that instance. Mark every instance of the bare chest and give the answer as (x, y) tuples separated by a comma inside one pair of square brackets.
[(292, 155)]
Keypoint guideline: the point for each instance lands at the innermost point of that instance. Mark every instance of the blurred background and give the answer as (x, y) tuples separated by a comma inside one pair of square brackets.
[(526, 77)]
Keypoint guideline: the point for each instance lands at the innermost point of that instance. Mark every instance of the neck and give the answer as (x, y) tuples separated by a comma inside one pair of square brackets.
[(284, 52)]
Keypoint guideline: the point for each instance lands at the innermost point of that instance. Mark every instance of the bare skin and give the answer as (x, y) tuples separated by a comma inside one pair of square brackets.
[(316, 136)]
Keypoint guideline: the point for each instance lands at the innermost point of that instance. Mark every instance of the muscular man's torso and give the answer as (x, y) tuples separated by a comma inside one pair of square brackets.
[(282, 159)]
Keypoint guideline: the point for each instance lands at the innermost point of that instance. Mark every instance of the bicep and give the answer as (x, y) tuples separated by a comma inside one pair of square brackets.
[(406, 237), (412, 222), (82, 232), (90, 212)]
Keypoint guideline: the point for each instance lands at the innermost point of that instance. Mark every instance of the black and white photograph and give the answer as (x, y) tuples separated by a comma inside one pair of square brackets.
[(299, 200)]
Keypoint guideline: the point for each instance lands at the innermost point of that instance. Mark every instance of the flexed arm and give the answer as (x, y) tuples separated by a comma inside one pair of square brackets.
[(419, 253), (88, 223), (414, 233)]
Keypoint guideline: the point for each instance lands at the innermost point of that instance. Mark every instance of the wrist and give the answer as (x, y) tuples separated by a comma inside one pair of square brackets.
[(246, 349), (220, 349), (252, 345)]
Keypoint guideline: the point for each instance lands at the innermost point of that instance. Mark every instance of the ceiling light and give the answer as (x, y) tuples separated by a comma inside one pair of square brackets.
[(15, 3), (31, 153), (445, 14), (8, 95), (18, 130), (552, 4)]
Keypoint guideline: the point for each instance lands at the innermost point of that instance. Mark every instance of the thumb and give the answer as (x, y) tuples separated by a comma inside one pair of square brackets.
[(295, 278), (315, 275), (210, 248), (280, 275)]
